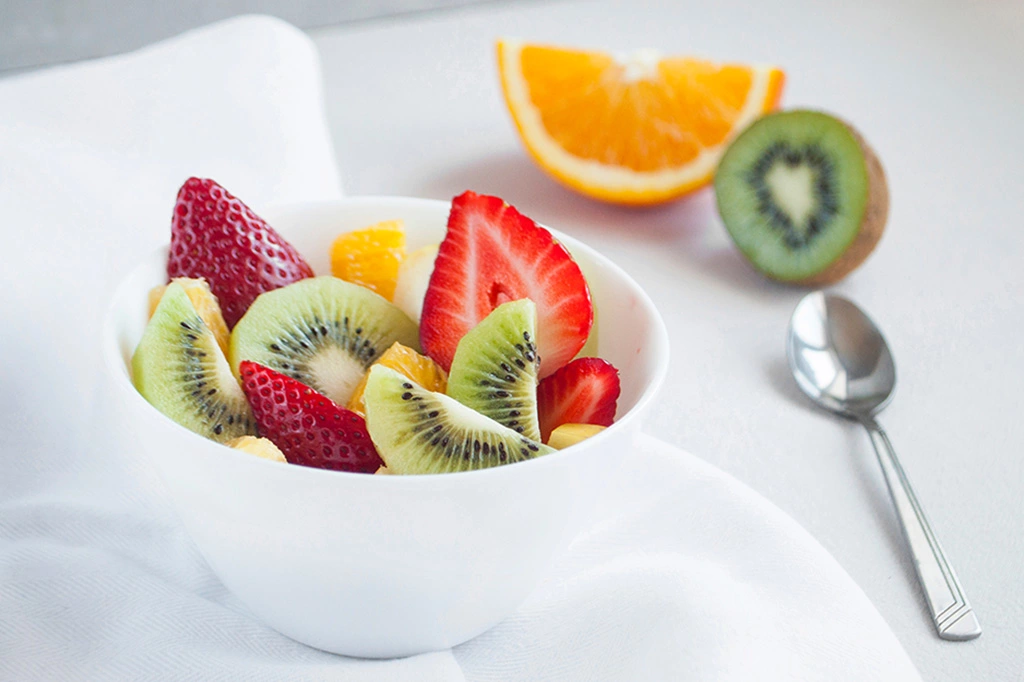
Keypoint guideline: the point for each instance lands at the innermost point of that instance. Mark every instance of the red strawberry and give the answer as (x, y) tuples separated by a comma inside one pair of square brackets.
[(583, 392), (310, 429), (217, 237), (493, 254)]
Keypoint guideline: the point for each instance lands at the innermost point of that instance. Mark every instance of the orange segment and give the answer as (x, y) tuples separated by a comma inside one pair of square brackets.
[(419, 368), (203, 301), (630, 129), (370, 257)]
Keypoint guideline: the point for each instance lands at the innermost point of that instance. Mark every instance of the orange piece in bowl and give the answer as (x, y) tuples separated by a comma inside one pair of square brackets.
[(404, 360), (633, 128), (370, 257)]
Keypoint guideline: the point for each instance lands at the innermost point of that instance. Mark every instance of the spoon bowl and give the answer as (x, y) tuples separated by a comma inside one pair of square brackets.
[(839, 357)]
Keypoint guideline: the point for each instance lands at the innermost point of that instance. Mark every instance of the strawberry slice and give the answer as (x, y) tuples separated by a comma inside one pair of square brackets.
[(583, 392), (309, 428), (217, 237), (492, 254)]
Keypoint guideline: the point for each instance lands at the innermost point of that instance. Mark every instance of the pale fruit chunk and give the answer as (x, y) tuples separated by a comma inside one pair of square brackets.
[(261, 447), (570, 434), (413, 279), (203, 301)]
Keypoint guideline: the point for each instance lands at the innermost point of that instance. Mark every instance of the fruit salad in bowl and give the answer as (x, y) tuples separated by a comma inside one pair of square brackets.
[(271, 364)]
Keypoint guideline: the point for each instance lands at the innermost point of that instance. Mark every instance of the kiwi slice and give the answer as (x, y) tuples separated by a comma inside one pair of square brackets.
[(494, 370), (322, 331), (417, 431), (180, 369), (803, 196)]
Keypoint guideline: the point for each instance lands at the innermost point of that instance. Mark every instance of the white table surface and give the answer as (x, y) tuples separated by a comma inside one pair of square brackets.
[(416, 109)]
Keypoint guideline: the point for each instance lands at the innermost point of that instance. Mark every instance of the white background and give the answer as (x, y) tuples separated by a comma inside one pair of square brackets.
[(936, 87)]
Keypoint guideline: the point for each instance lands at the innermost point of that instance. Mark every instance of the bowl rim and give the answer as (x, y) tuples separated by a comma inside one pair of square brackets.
[(115, 365)]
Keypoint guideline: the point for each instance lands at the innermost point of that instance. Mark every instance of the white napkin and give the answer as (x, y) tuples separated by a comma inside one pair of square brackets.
[(686, 575)]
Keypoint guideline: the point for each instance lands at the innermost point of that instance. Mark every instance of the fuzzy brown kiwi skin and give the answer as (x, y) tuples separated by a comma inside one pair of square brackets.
[(871, 227)]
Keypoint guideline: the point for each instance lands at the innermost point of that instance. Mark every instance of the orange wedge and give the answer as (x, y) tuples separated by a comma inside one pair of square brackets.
[(634, 128), (203, 301), (370, 257), (419, 368)]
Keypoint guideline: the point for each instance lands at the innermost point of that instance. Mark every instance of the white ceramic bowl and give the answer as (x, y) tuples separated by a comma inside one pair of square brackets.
[(386, 566)]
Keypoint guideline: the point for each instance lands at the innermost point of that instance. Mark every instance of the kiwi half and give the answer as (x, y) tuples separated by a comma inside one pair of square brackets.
[(495, 367), (322, 331), (180, 369), (803, 196), (417, 431)]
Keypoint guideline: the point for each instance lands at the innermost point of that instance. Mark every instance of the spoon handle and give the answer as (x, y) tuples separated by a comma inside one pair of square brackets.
[(953, 616)]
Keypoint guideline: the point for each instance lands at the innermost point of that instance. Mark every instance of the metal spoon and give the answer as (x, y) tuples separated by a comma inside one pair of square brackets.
[(841, 361)]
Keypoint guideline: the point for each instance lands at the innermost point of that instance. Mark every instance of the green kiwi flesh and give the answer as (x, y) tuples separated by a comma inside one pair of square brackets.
[(803, 196), (322, 331), (417, 431), (179, 368), (495, 367)]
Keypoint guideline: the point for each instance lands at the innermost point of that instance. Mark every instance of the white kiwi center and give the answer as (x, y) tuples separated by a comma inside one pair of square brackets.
[(337, 373), (792, 189)]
